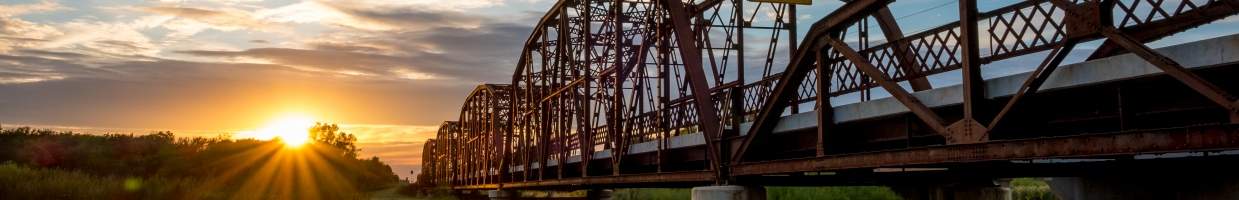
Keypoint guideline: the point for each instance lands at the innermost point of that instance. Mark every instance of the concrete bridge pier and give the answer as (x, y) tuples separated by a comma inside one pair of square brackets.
[(729, 192), (502, 194), (1145, 187), (984, 189)]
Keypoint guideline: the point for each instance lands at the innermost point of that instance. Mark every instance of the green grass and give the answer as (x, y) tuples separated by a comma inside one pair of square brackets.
[(652, 194), (831, 193), (18, 182), (1031, 189), (773, 193)]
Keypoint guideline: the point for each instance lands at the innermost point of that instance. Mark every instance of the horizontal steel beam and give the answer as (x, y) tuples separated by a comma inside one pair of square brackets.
[(1196, 138)]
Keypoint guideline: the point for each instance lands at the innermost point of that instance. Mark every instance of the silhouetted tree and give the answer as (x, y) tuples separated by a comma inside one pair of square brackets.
[(330, 135)]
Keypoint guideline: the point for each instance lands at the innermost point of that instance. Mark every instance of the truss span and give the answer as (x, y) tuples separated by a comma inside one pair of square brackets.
[(623, 92)]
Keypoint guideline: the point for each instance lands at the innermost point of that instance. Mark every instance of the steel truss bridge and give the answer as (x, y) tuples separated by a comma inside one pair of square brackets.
[(659, 93)]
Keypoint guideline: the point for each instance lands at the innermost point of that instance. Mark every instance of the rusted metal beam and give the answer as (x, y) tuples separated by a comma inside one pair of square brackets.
[(919, 109), (707, 118), (586, 136), (800, 66), (1210, 91), (1151, 31), (1200, 138), (969, 129), (894, 35), (825, 113), (1174, 69), (553, 102), (616, 115), (1036, 78)]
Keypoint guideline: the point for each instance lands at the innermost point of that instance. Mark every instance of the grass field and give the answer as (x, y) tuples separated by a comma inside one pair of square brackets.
[(18, 182), (823, 193)]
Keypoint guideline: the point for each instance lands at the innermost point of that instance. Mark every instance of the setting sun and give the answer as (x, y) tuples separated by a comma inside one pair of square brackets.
[(292, 130)]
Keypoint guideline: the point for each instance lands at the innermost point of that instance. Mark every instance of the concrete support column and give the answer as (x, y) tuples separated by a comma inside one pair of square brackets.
[(501, 194), (729, 192), (598, 194)]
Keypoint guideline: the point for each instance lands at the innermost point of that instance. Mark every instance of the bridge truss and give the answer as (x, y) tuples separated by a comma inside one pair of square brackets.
[(610, 92)]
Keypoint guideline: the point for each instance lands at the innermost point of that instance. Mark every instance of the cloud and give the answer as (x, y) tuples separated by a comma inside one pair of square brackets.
[(312, 12), (18, 33), (18, 78), (371, 16), (69, 74), (204, 96), (22, 9), (190, 21), (367, 133), (409, 18), (486, 53), (122, 40)]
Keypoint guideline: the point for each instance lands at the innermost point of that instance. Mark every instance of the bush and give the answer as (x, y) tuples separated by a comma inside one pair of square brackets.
[(1031, 189)]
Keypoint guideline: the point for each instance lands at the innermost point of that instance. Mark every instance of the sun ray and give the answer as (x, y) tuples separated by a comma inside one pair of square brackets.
[(290, 129)]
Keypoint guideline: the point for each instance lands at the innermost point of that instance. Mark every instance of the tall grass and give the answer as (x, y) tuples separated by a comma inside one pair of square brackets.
[(19, 182)]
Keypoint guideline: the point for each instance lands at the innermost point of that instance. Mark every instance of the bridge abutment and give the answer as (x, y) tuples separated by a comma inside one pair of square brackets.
[(729, 192)]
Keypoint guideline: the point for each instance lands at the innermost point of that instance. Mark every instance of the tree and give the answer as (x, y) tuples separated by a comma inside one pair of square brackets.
[(330, 135)]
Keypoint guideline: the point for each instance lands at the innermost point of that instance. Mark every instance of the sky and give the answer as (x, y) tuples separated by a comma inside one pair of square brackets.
[(389, 71)]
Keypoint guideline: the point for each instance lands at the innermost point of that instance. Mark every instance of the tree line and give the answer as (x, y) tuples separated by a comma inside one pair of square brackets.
[(47, 164)]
